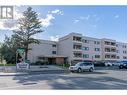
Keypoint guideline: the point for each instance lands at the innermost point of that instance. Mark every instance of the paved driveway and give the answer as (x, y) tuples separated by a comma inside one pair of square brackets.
[(99, 79)]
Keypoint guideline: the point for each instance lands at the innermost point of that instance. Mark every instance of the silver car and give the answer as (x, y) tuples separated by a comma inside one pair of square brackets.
[(82, 66)]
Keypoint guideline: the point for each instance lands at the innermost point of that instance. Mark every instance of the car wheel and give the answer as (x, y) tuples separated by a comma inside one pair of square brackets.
[(72, 71), (120, 67), (91, 69), (108, 65), (79, 70)]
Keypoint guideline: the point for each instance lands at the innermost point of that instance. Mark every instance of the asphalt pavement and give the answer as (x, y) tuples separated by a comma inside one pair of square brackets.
[(100, 79)]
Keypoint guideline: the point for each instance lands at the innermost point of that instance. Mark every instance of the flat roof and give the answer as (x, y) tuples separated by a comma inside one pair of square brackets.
[(52, 56)]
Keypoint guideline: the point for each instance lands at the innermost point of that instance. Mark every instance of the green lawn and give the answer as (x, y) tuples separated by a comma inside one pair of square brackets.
[(65, 66), (7, 65)]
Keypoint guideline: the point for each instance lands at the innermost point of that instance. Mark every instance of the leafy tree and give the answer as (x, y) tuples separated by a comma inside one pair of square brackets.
[(29, 25), (8, 50)]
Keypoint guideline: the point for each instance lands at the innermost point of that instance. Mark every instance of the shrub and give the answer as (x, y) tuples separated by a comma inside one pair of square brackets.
[(39, 63), (66, 65)]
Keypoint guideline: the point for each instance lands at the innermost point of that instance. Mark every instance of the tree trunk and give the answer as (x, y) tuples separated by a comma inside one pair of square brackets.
[(26, 52)]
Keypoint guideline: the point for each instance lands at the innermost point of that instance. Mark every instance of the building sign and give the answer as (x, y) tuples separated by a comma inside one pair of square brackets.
[(20, 60), (6, 12), (22, 66)]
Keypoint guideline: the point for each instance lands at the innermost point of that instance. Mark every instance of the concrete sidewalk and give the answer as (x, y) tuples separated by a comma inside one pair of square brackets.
[(48, 69), (13, 74)]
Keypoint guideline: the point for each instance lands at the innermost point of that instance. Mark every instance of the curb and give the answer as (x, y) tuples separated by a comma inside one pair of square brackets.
[(20, 73), (13, 74)]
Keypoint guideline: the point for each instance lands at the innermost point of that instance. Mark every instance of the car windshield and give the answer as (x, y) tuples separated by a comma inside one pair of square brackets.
[(78, 64), (88, 63)]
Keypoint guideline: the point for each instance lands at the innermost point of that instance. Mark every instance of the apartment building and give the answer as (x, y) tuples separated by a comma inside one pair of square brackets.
[(121, 51), (108, 49), (46, 51), (75, 47)]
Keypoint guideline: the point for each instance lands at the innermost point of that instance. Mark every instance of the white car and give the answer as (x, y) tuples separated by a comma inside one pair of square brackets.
[(108, 64), (82, 66)]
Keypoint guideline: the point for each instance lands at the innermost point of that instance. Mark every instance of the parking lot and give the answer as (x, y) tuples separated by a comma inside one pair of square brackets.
[(105, 78)]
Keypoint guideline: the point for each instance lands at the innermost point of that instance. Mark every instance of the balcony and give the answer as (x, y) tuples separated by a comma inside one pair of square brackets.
[(77, 55), (107, 43), (77, 39), (77, 47), (110, 50), (110, 56)]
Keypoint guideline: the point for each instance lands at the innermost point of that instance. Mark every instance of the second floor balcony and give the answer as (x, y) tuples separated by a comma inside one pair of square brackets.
[(77, 47), (110, 50), (77, 55)]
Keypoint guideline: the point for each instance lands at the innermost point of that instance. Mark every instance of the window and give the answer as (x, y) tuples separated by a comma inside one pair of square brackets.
[(97, 56), (124, 46), (107, 50), (86, 48), (96, 42), (85, 55), (97, 49), (81, 64), (124, 57), (78, 55), (53, 45), (117, 51), (107, 56), (117, 45), (113, 43), (113, 50), (118, 57), (75, 38), (124, 52), (113, 56), (107, 43), (85, 41), (53, 52), (87, 63), (77, 46)]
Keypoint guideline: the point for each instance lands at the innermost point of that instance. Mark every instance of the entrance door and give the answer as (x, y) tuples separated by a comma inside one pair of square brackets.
[(52, 61)]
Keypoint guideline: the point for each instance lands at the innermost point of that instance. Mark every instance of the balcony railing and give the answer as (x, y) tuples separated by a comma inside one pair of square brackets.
[(110, 56), (77, 47), (79, 39), (77, 55), (110, 43)]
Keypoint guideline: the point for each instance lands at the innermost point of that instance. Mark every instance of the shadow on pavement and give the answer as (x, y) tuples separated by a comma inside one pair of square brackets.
[(73, 82), (95, 72), (110, 68)]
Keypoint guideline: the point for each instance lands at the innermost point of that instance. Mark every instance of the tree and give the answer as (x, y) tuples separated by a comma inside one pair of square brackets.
[(29, 25), (8, 50)]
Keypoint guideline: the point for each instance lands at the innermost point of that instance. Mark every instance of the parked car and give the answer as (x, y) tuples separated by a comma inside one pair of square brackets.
[(116, 63), (99, 64), (123, 65), (82, 66), (108, 64)]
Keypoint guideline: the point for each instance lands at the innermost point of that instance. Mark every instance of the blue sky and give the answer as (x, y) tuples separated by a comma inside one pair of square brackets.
[(94, 21)]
